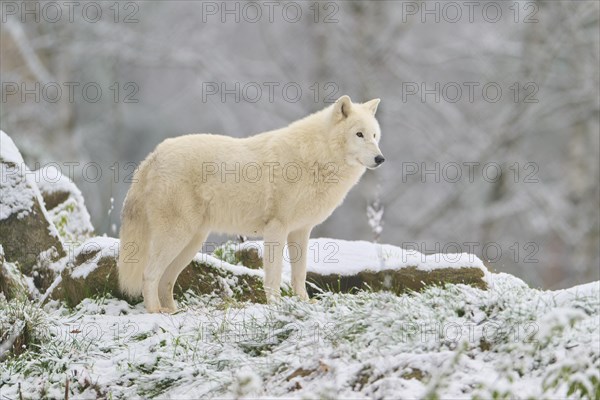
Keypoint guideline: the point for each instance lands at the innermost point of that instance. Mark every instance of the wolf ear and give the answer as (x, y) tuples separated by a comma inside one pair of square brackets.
[(341, 107), (372, 105)]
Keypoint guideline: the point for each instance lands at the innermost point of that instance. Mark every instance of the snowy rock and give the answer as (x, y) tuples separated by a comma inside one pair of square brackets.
[(346, 266), (27, 233), (92, 272), (397, 281), (65, 205)]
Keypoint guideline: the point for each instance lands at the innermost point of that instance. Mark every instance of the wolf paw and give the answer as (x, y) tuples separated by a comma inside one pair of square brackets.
[(301, 293), (162, 310)]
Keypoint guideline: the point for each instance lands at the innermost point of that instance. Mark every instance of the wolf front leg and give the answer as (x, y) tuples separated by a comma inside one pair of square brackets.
[(274, 240), (298, 252)]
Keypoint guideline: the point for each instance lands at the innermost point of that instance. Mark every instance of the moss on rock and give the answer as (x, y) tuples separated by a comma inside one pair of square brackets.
[(27, 234), (199, 277), (395, 280)]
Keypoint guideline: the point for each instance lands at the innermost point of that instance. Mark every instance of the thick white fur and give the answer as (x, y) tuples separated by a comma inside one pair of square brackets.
[(194, 184)]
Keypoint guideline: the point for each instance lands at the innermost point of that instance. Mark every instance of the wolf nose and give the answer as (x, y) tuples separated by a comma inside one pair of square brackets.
[(379, 160)]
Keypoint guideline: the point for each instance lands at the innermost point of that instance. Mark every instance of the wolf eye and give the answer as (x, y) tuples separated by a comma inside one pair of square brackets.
[(359, 134)]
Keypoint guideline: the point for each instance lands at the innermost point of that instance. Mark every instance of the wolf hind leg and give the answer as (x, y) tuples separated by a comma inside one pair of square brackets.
[(164, 249), (169, 277)]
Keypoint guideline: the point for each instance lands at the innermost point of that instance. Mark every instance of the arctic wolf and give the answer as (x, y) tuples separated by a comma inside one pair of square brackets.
[(277, 184)]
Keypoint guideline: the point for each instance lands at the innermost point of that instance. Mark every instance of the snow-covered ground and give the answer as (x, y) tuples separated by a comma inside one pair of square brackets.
[(457, 341), (510, 341)]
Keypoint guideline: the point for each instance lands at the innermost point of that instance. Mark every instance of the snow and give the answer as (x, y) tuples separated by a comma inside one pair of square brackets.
[(565, 296), (335, 256), (71, 217), (234, 269), (365, 345), (51, 180), (102, 246), (18, 188), (17, 194), (109, 247), (9, 151), (326, 256)]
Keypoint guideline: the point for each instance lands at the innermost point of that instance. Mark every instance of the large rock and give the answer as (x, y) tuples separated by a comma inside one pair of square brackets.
[(27, 234), (65, 205), (92, 272), (397, 281), (346, 266)]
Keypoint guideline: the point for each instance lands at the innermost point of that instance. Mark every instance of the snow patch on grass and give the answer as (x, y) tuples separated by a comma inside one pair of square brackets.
[(457, 341)]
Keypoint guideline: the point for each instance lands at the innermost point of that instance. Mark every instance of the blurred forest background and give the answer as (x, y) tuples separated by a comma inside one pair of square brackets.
[(527, 198)]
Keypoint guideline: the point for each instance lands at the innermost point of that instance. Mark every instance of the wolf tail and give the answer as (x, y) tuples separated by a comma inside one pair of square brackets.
[(135, 238)]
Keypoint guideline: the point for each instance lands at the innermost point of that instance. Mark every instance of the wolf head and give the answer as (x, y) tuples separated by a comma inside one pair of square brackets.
[(357, 131)]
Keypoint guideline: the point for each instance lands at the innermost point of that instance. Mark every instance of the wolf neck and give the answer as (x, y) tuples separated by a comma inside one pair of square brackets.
[(332, 151)]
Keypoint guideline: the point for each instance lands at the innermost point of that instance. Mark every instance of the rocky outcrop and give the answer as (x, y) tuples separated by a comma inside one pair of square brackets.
[(93, 273), (65, 205), (28, 236), (397, 281)]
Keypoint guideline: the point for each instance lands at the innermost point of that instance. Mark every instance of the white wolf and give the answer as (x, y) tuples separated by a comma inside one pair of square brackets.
[(278, 184)]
